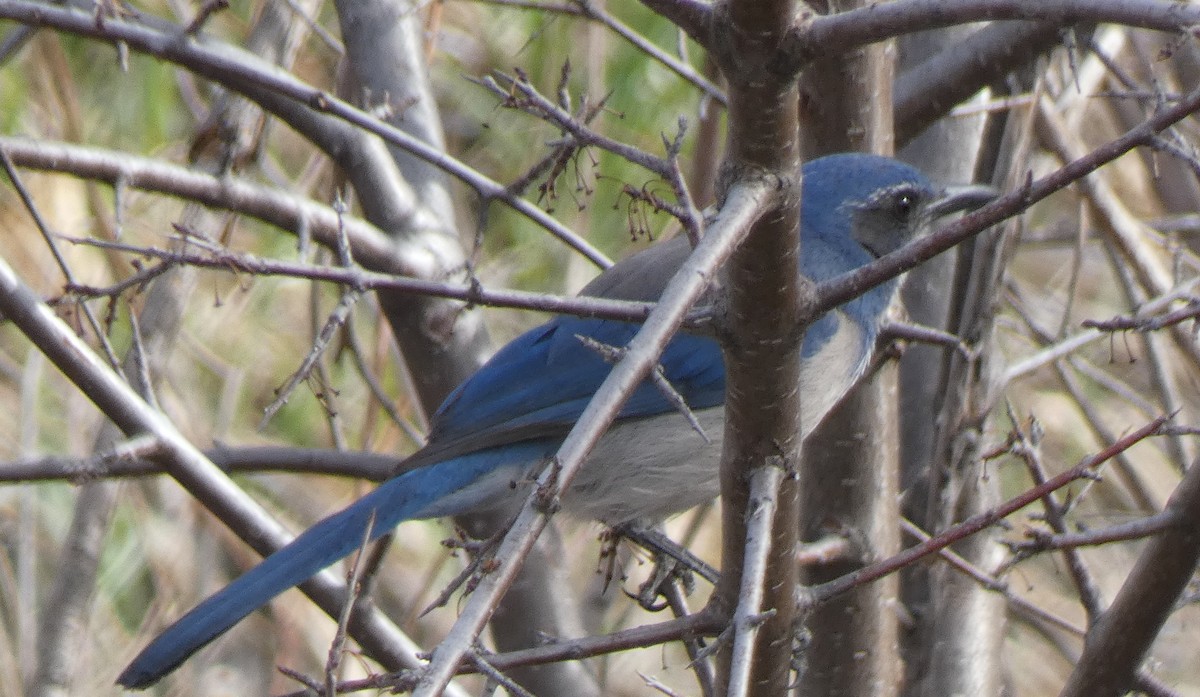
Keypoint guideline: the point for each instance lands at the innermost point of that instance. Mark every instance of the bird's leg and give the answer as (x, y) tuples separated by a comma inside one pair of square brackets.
[(671, 563), (610, 540), (664, 575)]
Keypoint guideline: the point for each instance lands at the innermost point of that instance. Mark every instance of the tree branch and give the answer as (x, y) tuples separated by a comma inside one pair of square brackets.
[(970, 526), (137, 457), (187, 464), (1118, 641), (301, 105), (219, 259), (300, 216), (814, 36), (836, 291)]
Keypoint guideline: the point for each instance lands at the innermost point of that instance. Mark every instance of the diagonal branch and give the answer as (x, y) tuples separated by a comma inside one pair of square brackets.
[(836, 291), (301, 105), (1118, 641), (204, 480), (745, 203), (270, 205), (691, 14), (975, 523)]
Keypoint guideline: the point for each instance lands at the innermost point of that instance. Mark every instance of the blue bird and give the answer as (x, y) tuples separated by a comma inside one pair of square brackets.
[(501, 424)]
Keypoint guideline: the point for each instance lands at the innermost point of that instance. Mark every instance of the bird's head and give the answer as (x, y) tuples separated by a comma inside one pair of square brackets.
[(879, 203)]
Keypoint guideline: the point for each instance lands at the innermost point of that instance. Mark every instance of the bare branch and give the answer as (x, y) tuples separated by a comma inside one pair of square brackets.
[(518, 93), (138, 457), (974, 524), (220, 259), (837, 291), (1118, 641), (282, 209), (51, 242), (247, 74), (335, 321), (596, 13), (187, 464), (1027, 446), (835, 33), (1041, 541), (686, 14), (991, 582)]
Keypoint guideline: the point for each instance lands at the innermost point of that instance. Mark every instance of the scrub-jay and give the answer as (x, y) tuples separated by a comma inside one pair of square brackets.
[(494, 432)]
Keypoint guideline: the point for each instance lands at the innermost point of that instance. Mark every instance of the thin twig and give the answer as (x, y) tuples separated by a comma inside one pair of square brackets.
[(50, 239), (822, 593), (613, 354), (596, 12), (518, 93), (335, 320), (1027, 446), (474, 294), (493, 675), (338, 645), (1041, 541), (365, 371), (990, 582)]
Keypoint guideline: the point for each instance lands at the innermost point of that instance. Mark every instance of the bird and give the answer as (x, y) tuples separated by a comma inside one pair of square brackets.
[(490, 437)]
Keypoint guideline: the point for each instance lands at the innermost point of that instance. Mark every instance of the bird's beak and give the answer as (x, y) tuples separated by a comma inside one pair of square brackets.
[(962, 198)]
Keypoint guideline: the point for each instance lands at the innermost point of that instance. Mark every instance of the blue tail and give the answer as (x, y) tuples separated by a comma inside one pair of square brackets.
[(437, 490)]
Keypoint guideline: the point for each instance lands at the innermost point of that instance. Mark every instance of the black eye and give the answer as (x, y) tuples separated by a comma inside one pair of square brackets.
[(903, 203)]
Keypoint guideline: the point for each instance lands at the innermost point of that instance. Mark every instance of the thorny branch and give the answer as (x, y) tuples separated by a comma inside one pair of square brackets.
[(1084, 469), (218, 258)]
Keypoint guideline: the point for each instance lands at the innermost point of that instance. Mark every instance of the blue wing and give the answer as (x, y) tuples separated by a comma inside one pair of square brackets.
[(545, 377), (538, 385)]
